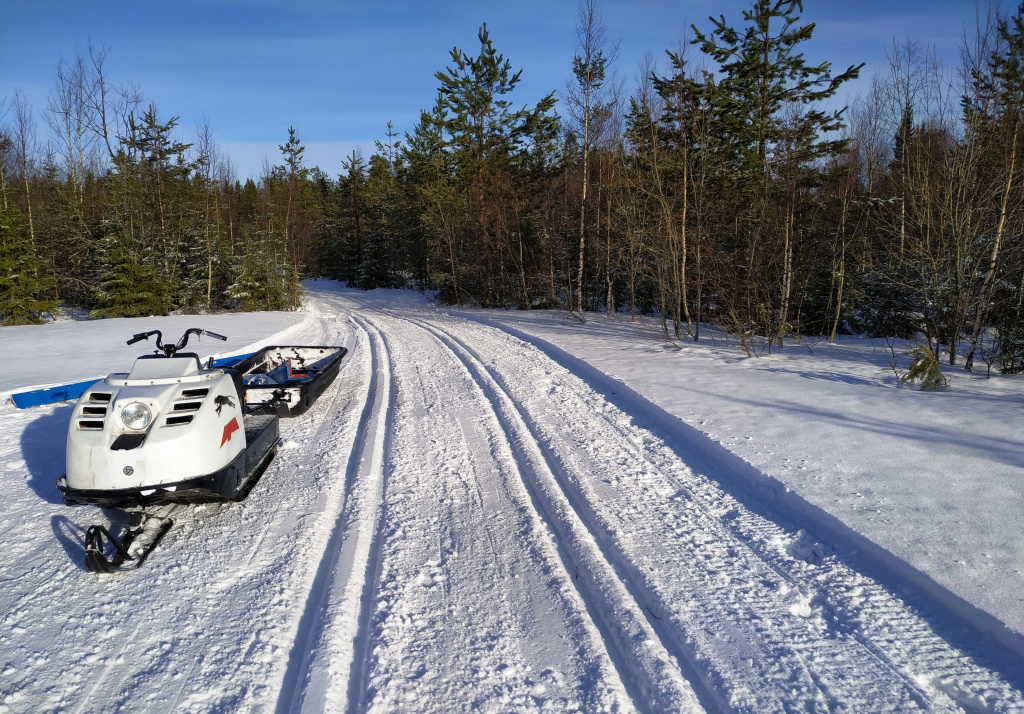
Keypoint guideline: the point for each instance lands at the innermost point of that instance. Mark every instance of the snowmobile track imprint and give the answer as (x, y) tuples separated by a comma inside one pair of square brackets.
[(470, 519), (626, 624)]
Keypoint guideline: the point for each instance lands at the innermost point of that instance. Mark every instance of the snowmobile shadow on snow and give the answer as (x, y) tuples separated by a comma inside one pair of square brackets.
[(70, 536), (44, 447)]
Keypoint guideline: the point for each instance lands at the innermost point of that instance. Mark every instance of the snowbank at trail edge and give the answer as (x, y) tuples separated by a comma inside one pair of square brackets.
[(935, 478), (73, 351)]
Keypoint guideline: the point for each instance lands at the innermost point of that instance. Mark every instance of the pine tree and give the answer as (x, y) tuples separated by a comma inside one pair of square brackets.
[(924, 367), (491, 146), (771, 126), (762, 74)]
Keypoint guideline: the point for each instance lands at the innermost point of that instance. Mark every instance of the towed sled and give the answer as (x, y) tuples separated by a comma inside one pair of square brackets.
[(287, 380), (172, 431)]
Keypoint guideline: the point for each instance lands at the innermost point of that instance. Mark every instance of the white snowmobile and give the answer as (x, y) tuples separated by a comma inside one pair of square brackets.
[(170, 431)]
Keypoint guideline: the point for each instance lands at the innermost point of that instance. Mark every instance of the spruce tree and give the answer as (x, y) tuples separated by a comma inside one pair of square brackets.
[(22, 289), (151, 156), (350, 219), (131, 282), (377, 265), (249, 289)]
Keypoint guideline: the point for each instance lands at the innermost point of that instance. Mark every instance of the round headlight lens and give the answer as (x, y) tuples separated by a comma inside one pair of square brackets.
[(136, 416)]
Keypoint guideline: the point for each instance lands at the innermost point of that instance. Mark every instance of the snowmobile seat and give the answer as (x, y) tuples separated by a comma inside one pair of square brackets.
[(149, 366)]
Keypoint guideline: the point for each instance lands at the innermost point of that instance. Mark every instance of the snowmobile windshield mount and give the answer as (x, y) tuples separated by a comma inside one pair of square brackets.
[(170, 350)]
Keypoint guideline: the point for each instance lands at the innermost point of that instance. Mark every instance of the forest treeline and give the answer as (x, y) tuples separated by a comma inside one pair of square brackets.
[(720, 191)]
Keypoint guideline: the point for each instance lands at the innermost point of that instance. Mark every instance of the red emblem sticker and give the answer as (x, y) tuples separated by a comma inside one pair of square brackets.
[(230, 428)]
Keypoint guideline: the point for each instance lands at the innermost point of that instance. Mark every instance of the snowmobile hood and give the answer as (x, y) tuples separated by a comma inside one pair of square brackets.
[(194, 429)]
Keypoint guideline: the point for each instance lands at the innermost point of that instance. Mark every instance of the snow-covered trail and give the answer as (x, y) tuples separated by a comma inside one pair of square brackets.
[(468, 599), (460, 523), (758, 615), (674, 593)]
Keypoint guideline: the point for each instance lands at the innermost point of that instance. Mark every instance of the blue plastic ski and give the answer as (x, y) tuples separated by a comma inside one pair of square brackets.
[(64, 392)]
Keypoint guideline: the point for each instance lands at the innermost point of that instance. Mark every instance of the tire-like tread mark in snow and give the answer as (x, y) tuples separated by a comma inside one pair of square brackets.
[(475, 609), (882, 620)]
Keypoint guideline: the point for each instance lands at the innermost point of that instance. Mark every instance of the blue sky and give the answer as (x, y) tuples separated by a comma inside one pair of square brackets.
[(339, 71)]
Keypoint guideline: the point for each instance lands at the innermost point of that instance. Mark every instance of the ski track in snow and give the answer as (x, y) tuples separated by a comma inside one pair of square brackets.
[(460, 524), (329, 640)]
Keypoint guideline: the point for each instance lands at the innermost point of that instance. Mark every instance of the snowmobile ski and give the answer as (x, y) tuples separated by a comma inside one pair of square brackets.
[(130, 551)]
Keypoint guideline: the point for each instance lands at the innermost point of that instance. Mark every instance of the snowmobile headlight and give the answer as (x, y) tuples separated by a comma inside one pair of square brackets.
[(136, 416)]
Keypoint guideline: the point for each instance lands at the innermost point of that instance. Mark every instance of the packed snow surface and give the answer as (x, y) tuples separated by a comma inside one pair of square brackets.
[(514, 512)]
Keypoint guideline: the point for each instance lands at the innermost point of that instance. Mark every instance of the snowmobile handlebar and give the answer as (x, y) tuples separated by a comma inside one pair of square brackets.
[(144, 336), (170, 349)]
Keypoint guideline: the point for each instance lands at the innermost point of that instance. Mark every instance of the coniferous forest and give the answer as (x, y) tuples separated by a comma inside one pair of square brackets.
[(722, 187)]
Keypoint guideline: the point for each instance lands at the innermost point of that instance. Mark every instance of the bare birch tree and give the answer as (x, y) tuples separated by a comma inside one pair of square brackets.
[(589, 66), (23, 136)]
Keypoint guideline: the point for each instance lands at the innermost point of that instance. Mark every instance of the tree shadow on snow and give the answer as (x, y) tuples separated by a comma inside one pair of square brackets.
[(44, 447), (829, 376)]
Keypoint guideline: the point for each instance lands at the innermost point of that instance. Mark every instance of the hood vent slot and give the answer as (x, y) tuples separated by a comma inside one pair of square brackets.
[(93, 411), (128, 441), (184, 407)]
